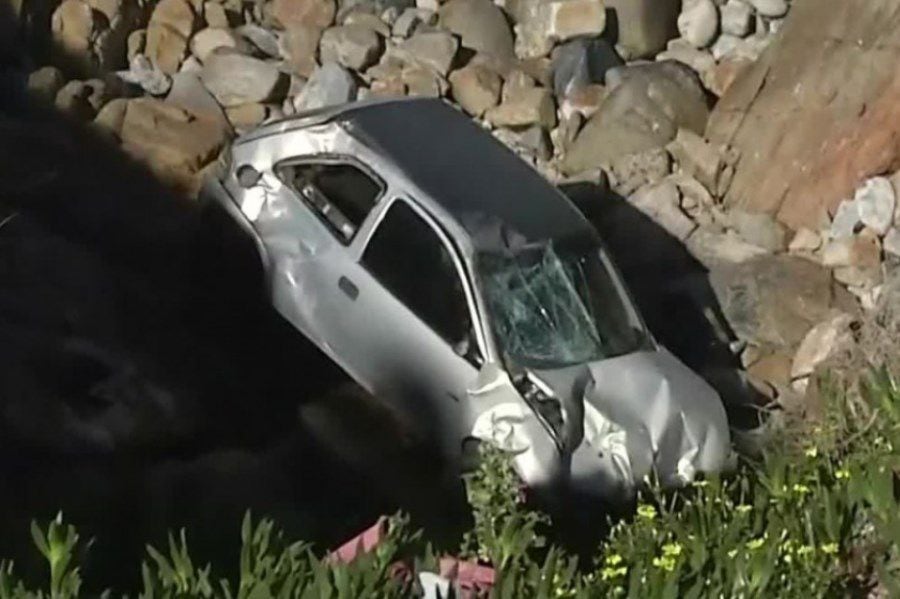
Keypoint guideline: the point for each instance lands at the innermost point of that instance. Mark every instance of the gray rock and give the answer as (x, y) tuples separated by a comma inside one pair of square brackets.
[(712, 248), (353, 46), (145, 74), (891, 243), (73, 100), (701, 61), (775, 300), (822, 342), (642, 27), (579, 63), (644, 110), (698, 22), (45, 83), (846, 220), (660, 202), (481, 27), (634, 171), (737, 18), (876, 201), (369, 21), (697, 158), (189, 94), (759, 229), (237, 79), (770, 8), (409, 21), (435, 50), (265, 40), (329, 85), (546, 22)]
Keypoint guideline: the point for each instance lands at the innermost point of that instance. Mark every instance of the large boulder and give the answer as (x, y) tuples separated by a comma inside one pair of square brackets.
[(172, 142), (824, 99), (480, 26), (642, 27), (318, 14), (644, 110), (774, 301), (236, 79)]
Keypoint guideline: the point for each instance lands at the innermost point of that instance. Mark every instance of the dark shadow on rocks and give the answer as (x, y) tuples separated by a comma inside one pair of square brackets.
[(145, 381), (673, 292)]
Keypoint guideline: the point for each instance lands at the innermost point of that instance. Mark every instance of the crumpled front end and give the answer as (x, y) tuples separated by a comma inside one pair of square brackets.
[(643, 413)]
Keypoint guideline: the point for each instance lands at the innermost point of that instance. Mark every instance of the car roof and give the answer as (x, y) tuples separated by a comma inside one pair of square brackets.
[(477, 180)]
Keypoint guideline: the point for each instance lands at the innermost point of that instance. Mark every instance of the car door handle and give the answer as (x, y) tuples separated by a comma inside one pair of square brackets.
[(348, 287)]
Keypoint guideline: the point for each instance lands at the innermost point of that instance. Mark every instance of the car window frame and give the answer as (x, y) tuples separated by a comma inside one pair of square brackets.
[(458, 263), (331, 159)]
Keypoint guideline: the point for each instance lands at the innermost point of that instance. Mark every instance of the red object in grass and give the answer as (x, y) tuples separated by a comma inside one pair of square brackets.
[(364, 542), (470, 577)]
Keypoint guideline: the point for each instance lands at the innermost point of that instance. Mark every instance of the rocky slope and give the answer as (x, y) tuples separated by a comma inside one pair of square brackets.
[(737, 126)]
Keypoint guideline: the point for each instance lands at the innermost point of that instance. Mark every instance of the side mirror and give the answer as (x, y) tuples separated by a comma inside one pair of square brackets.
[(247, 176)]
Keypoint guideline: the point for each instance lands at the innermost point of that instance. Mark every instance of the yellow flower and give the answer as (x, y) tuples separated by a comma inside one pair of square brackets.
[(830, 548), (672, 549), (701, 483), (647, 511), (732, 553), (841, 474), (754, 544), (613, 559), (665, 562), (613, 573), (800, 489), (811, 452), (805, 550), (743, 508)]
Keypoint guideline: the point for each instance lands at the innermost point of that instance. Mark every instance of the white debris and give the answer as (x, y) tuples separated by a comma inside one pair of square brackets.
[(875, 201)]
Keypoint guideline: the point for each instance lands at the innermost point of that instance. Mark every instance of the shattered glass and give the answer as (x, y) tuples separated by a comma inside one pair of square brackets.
[(556, 308)]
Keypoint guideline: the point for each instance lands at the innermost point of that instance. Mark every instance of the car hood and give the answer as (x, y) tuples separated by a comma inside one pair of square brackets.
[(626, 418)]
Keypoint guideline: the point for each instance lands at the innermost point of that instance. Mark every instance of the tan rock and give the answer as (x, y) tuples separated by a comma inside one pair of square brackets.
[(723, 75), (860, 251), (300, 45), (435, 50), (112, 116), (207, 40), (136, 44), (530, 106), (170, 141), (75, 26), (805, 240), (773, 369), (73, 100), (422, 81), (215, 15), (170, 28), (246, 116), (45, 83), (317, 14), (476, 88)]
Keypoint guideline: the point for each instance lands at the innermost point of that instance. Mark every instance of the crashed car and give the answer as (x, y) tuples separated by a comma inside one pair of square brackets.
[(453, 282)]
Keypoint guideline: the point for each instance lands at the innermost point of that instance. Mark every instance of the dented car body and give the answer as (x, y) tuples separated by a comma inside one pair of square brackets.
[(453, 282)]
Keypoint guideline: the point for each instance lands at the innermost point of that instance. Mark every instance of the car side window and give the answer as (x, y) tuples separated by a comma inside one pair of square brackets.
[(342, 195), (410, 261)]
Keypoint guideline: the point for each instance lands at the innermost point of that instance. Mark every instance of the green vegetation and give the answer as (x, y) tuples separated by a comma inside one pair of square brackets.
[(817, 516)]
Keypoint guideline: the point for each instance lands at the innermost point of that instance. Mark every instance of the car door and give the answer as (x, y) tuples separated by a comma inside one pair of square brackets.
[(314, 208), (406, 324)]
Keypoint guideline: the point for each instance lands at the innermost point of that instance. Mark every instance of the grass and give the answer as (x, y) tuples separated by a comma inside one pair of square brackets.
[(818, 515)]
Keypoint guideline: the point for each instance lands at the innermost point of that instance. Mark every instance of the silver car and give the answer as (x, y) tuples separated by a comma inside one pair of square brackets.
[(458, 286)]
